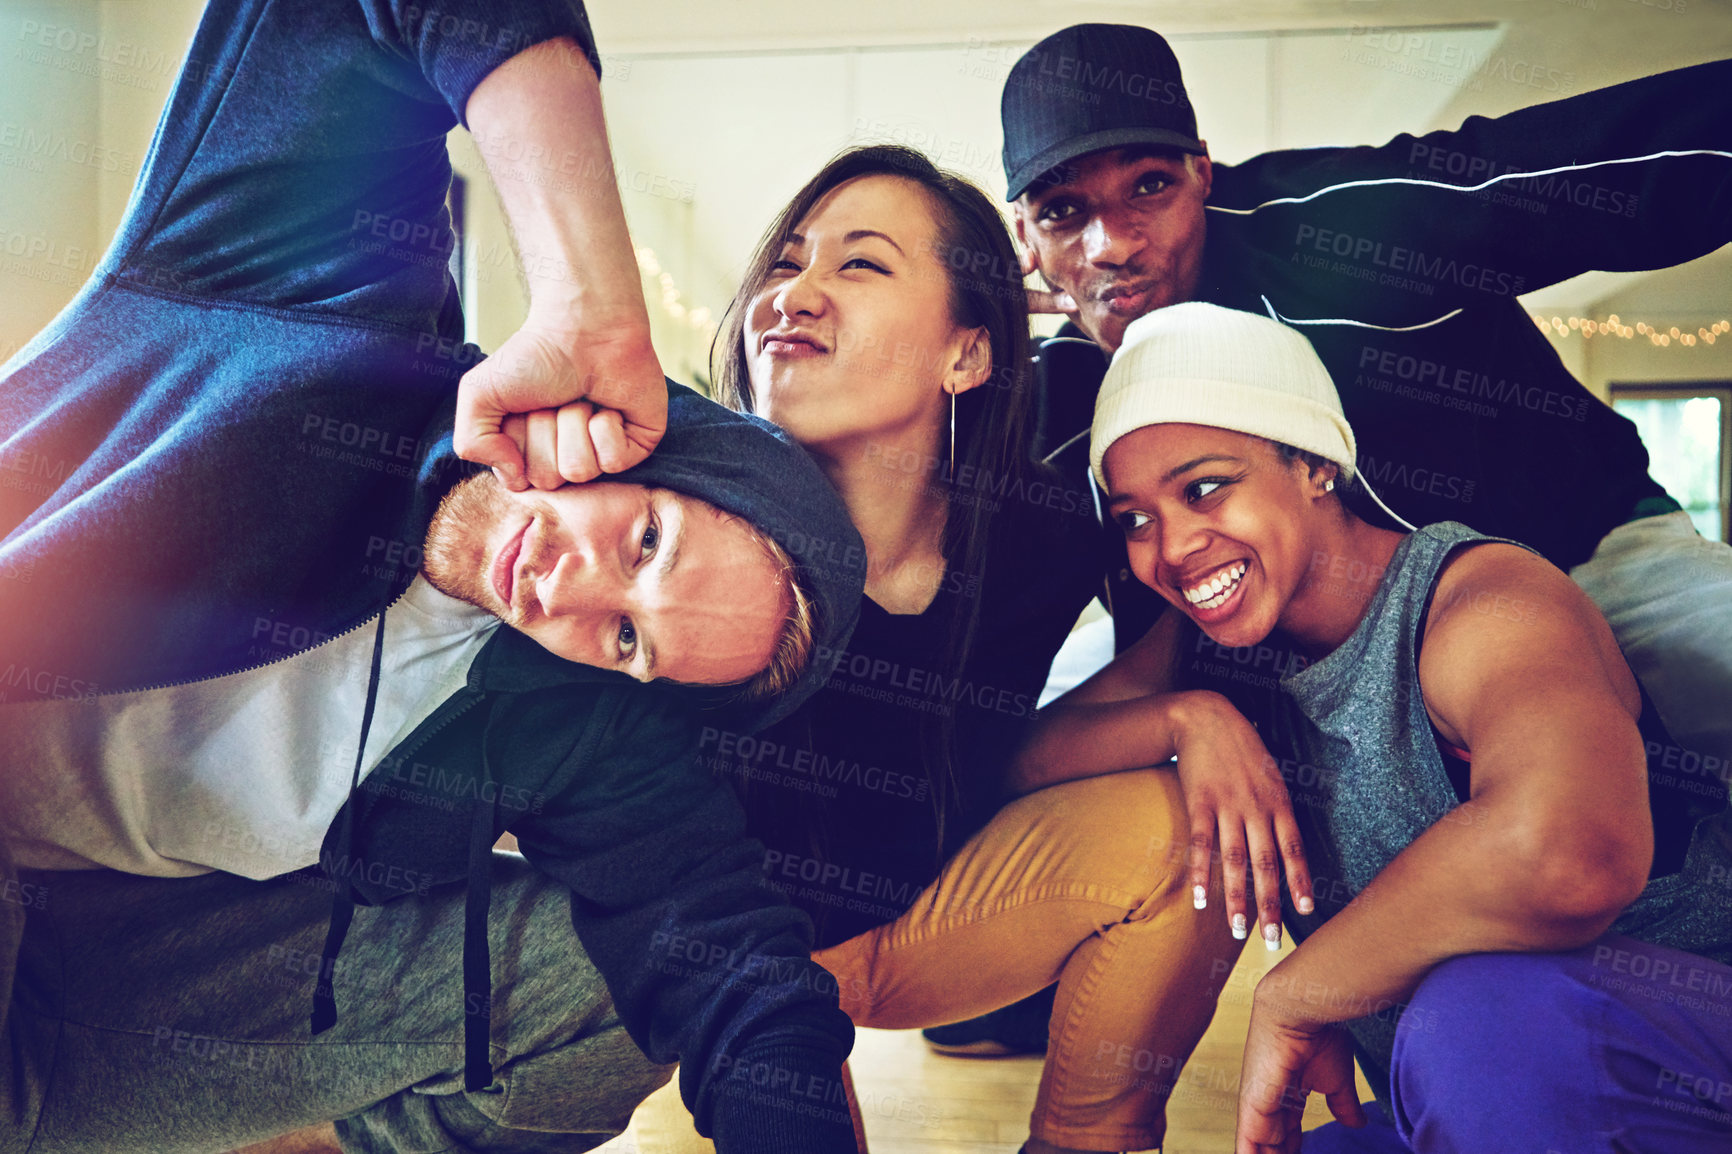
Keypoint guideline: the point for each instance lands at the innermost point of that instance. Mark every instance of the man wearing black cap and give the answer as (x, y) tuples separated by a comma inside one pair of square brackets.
[(1403, 264)]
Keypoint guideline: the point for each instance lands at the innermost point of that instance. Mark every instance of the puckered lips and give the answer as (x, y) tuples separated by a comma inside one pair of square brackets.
[(1214, 594), (1128, 300), (503, 572), (792, 343)]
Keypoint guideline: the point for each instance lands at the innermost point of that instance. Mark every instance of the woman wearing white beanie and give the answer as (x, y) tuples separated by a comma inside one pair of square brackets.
[(1478, 812)]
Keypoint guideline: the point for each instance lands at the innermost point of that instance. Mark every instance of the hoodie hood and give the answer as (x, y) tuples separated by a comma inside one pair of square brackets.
[(747, 467)]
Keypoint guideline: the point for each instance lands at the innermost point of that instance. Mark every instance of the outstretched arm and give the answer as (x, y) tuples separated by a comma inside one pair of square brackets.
[(577, 391), (1553, 843), (1632, 176)]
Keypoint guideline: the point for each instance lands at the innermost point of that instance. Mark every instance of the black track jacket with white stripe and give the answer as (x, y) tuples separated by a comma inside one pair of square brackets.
[(1402, 264)]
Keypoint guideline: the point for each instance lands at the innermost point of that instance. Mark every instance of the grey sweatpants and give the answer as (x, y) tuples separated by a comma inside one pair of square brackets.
[(158, 1015)]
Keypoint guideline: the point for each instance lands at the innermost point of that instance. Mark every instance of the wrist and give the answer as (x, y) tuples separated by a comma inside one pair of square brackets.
[(1279, 996), (572, 323), (1191, 711), (1286, 996)]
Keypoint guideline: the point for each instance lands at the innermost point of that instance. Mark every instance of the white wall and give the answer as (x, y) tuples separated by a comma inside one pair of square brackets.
[(81, 86)]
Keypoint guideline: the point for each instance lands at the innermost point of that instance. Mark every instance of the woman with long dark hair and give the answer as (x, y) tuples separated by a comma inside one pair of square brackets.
[(883, 324)]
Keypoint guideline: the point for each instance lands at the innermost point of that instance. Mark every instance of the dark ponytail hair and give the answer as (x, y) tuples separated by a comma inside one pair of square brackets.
[(994, 421)]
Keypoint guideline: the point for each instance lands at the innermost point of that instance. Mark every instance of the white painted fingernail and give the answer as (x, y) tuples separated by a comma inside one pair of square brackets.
[(1200, 897), (1306, 905), (1272, 937), (1239, 930)]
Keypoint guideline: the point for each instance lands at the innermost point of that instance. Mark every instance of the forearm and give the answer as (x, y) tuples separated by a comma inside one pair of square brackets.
[(1464, 886), (539, 116), (1074, 741)]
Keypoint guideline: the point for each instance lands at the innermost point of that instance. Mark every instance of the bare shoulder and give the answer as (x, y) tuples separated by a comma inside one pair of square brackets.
[(1505, 622), (1504, 583)]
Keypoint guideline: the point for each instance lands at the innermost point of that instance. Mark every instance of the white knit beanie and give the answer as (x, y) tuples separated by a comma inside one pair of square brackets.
[(1200, 364)]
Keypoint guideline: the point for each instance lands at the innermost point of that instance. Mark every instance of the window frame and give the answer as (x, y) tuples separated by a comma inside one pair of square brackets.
[(1683, 391)]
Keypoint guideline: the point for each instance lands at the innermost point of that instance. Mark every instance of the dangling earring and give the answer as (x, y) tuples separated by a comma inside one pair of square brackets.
[(953, 436)]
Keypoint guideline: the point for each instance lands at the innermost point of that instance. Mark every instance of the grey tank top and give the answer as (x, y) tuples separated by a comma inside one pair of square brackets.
[(1367, 778)]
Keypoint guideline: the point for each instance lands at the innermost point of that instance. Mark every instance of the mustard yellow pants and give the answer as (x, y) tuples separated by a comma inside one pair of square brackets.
[(1083, 884)]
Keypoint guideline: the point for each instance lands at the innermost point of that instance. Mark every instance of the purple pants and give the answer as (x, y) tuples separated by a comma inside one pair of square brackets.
[(1617, 1048)]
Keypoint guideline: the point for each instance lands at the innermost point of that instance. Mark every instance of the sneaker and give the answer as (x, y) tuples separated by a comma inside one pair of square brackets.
[(1019, 1028)]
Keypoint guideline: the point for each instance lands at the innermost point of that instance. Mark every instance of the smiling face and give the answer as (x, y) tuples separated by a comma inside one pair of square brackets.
[(1122, 234), (851, 335), (649, 582), (1219, 524)]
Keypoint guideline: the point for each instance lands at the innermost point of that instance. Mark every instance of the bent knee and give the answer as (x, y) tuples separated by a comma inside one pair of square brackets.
[(588, 1086), (1124, 832), (1458, 1020)]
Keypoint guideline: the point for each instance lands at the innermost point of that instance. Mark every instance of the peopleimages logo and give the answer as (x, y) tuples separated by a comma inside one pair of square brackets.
[(46, 144), (76, 50), (810, 770), (926, 690), (1408, 261), (1464, 388), (25, 679), (1092, 78), (1440, 58), (1417, 479)]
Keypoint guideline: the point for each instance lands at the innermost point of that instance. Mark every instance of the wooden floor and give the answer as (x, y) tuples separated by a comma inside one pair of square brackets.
[(916, 1102)]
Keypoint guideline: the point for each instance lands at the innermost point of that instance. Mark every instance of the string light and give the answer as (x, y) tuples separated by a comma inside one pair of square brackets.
[(1612, 326), (696, 318)]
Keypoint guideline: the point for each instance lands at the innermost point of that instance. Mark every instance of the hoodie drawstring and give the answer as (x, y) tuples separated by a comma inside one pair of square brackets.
[(477, 958), (478, 898), (343, 903)]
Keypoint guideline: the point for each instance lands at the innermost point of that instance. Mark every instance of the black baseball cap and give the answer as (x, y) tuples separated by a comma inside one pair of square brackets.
[(1089, 87)]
